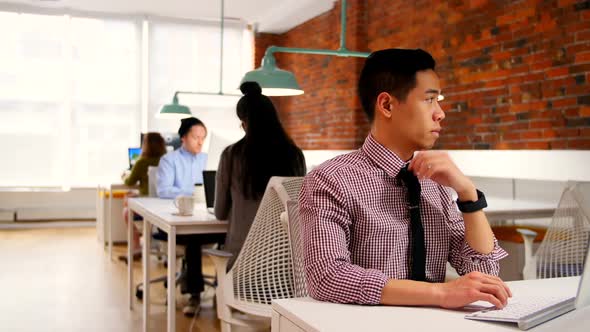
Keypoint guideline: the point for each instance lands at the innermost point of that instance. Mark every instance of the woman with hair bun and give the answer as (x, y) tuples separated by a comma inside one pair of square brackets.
[(246, 166)]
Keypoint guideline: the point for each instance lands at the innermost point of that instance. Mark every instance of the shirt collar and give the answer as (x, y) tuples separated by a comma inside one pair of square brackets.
[(385, 159), (185, 152)]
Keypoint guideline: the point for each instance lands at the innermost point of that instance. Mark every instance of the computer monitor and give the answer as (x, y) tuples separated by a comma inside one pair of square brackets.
[(218, 141), (133, 154), (172, 140)]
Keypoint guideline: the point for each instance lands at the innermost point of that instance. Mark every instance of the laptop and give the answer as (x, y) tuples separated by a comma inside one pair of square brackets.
[(133, 154), (209, 186), (529, 312)]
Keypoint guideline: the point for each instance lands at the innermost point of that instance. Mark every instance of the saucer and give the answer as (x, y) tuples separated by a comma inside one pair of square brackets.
[(178, 214)]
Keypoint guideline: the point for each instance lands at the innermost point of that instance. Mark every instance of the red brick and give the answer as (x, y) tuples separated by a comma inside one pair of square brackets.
[(582, 36), (514, 136), (583, 57), (567, 132), (532, 135), (581, 144), (540, 124), (558, 103), (585, 112), (580, 26), (549, 133), (557, 72), (537, 145), (558, 145), (541, 65), (566, 3)]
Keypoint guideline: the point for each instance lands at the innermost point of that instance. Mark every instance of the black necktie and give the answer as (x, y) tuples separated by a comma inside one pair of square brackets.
[(418, 248)]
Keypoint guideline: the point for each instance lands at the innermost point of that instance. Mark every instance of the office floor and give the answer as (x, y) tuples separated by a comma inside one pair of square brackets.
[(62, 280)]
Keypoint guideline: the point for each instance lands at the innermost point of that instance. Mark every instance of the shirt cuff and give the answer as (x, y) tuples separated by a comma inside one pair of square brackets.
[(486, 263), (372, 287)]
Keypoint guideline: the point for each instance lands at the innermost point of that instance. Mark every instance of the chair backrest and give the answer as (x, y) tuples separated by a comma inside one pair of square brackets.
[(152, 181), (562, 252), (299, 284), (263, 269)]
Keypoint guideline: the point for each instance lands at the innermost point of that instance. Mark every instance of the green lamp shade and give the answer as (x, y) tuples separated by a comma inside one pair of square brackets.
[(272, 80), (175, 111)]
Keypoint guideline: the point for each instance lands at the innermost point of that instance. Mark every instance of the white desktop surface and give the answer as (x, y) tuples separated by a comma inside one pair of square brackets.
[(500, 209), (161, 213), (311, 315)]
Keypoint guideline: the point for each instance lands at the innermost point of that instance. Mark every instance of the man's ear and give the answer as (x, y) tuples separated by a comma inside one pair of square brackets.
[(385, 104)]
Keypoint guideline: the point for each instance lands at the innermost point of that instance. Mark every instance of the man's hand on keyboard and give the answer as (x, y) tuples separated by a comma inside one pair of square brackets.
[(475, 286)]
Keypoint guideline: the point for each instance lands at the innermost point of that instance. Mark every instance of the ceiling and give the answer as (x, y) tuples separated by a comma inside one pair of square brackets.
[(272, 16)]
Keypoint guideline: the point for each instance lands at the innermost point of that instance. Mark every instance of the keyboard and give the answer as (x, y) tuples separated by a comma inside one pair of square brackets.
[(527, 312)]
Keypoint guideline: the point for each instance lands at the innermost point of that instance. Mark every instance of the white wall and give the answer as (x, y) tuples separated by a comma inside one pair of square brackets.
[(538, 175), (550, 165)]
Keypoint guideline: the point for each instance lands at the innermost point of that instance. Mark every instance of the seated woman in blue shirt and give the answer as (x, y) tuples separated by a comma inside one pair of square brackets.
[(178, 173), (246, 166)]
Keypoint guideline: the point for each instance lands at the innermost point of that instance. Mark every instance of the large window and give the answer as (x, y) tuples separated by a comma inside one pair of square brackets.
[(33, 118), (71, 95), (105, 72)]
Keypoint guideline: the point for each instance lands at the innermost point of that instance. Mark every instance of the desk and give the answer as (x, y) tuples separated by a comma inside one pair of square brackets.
[(159, 212), (307, 315), (500, 209)]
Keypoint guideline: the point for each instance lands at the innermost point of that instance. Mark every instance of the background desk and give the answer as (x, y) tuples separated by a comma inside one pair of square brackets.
[(114, 215), (306, 314), (505, 215), (159, 212), (500, 210)]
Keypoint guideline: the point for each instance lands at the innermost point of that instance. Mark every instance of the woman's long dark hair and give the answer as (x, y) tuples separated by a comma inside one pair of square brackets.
[(153, 146), (266, 150)]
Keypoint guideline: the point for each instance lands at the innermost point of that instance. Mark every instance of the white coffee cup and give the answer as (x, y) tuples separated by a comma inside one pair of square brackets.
[(185, 205)]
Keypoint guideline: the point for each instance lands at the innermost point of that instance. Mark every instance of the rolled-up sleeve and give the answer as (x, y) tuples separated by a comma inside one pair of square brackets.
[(326, 226), (461, 256)]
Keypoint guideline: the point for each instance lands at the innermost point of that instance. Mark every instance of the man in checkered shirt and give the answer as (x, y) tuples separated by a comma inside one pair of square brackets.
[(354, 210)]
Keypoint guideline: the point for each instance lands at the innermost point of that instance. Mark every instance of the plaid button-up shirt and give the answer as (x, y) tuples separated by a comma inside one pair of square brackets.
[(356, 228)]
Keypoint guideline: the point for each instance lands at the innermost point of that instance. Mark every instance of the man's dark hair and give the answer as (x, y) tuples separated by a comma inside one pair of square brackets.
[(186, 125), (393, 71)]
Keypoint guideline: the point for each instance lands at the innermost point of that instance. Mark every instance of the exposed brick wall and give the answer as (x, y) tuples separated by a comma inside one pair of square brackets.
[(328, 115), (515, 73)]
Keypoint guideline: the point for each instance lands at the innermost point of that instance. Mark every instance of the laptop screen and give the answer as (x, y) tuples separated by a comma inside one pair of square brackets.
[(209, 184)]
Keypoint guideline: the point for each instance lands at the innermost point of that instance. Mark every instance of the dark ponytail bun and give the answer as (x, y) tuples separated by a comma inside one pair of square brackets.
[(250, 88)]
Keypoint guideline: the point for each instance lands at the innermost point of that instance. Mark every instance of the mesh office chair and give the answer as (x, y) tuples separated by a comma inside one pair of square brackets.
[(263, 269), (562, 251), (294, 226)]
